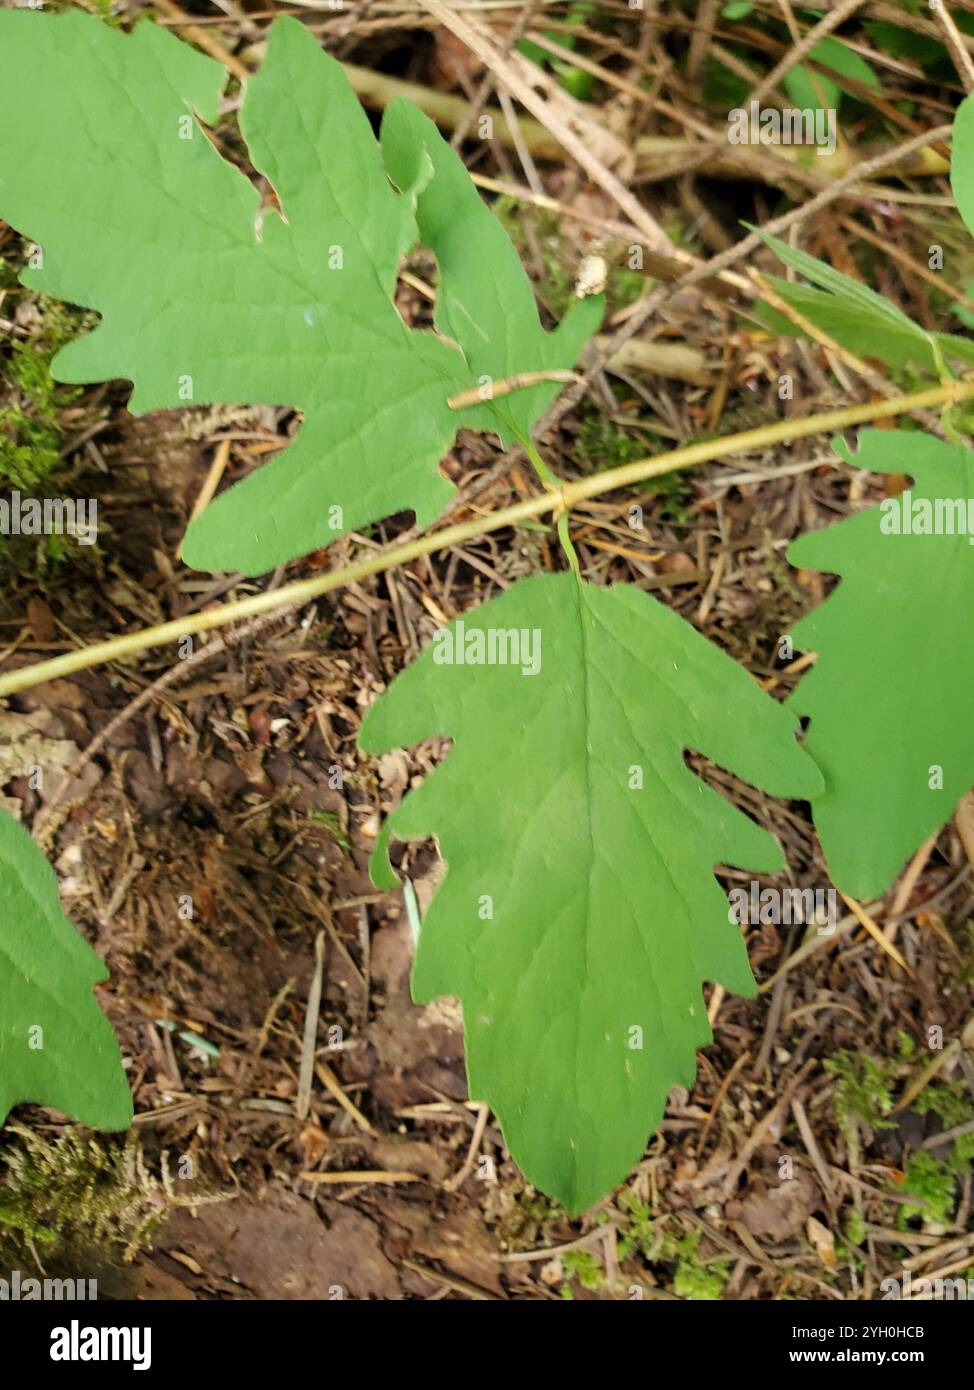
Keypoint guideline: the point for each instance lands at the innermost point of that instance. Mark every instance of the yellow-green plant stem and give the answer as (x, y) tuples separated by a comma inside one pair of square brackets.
[(553, 483), (559, 499)]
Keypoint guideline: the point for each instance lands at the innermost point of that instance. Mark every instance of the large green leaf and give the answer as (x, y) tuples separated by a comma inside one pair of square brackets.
[(889, 696), (205, 297), (580, 913), (56, 1046)]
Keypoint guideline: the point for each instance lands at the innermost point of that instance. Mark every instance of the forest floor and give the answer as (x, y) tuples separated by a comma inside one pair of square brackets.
[(211, 857)]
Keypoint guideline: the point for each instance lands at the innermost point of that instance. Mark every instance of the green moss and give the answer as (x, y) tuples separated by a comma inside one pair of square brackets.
[(948, 1101), (602, 444), (855, 1227), (638, 1236), (530, 1221), (934, 1183), (623, 286), (692, 1279), (962, 1153), (31, 401), (583, 1266), (29, 438), (556, 289), (56, 1193), (641, 1235), (862, 1092)]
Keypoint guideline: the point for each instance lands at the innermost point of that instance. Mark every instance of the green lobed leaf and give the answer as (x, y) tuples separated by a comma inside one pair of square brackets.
[(485, 301), (888, 696), (201, 291), (606, 915), (56, 1046)]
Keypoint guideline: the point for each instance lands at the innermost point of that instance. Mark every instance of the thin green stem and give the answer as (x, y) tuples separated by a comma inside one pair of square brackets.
[(555, 485), (557, 499), (545, 475), (566, 543)]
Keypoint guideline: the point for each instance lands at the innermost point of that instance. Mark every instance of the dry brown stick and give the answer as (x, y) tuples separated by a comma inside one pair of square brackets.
[(487, 85), (211, 482), (947, 1136), (331, 1083), (711, 142), (900, 15), (926, 1257), (506, 72), (864, 920), (460, 1177), (302, 1103), (360, 1175), (639, 68), (551, 1252), (379, 90), (772, 1025), (718, 158), (512, 120), (964, 824), (896, 253), (701, 38), (936, 1274), (343, 36), (814, 1153), (568, 399), (655, 264), (451, 1281), (791, 23), (907, 884), (203, 39), (926, 1074), (801, 50), (955, 45), (243, 1076)]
